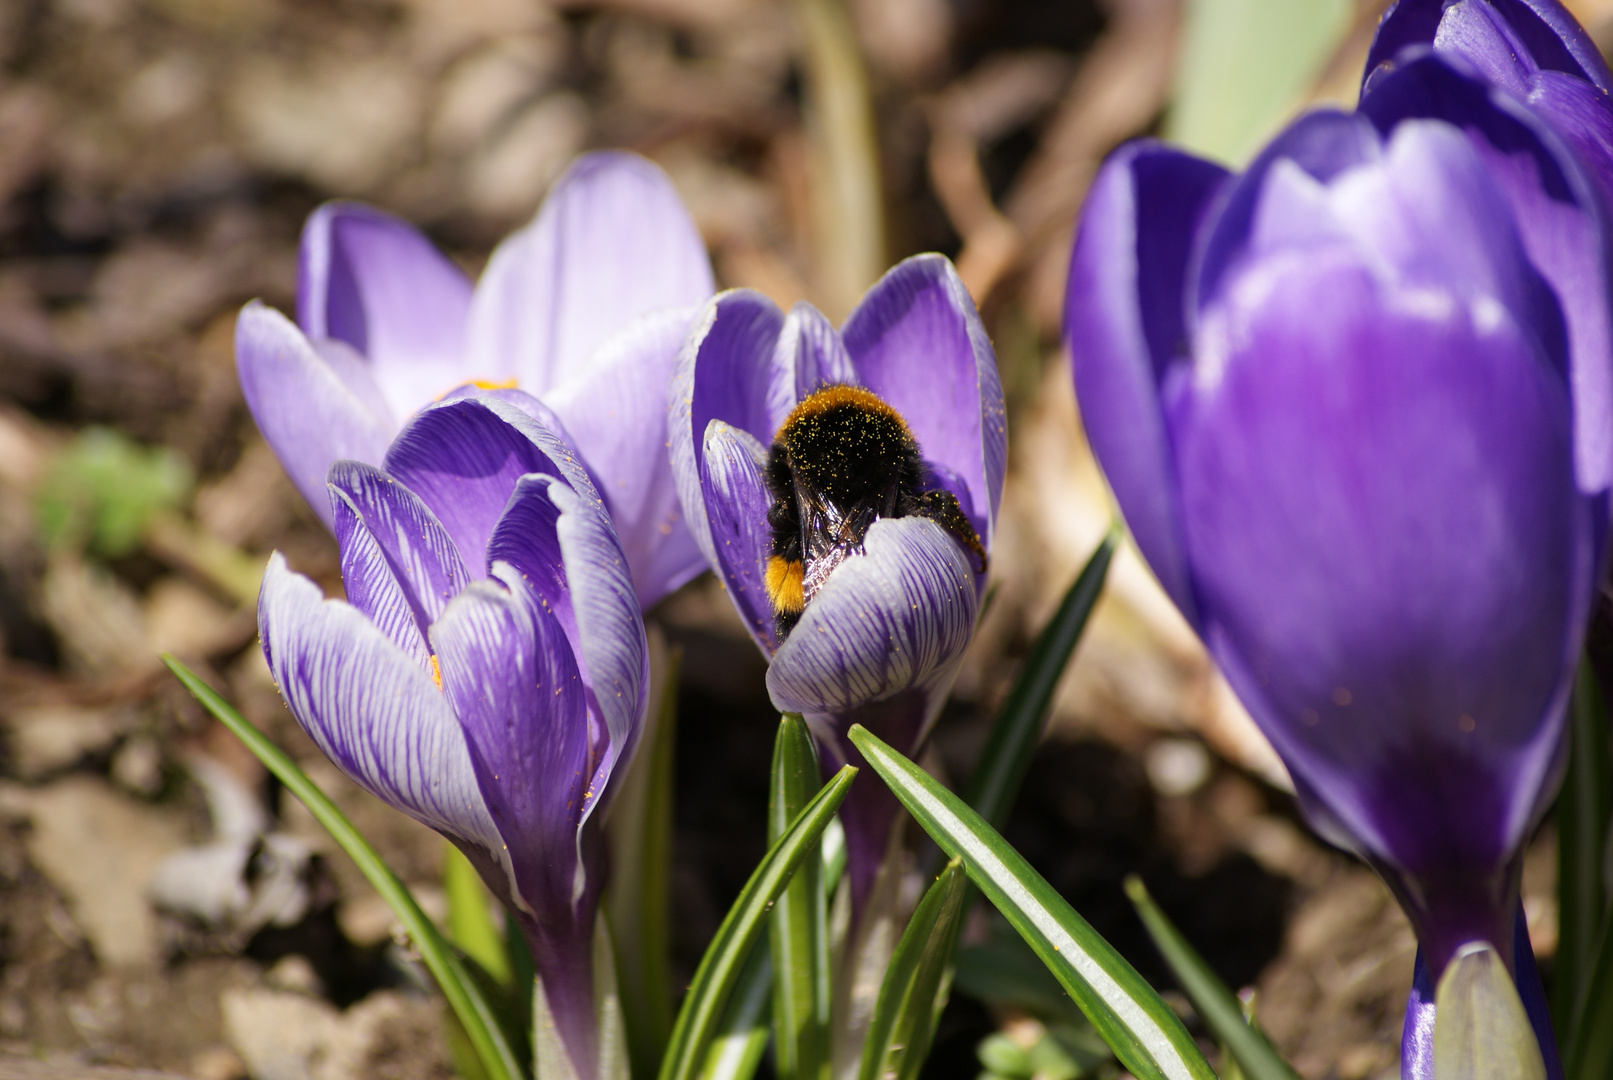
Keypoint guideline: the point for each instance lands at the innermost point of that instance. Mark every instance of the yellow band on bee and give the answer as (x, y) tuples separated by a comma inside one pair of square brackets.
[(784, 585)]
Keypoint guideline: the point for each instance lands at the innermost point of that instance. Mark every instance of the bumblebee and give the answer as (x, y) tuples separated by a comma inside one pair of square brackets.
[(842, 460)]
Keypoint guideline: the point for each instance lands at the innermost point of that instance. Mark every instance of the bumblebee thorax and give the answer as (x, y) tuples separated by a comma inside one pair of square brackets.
[(846, 444)]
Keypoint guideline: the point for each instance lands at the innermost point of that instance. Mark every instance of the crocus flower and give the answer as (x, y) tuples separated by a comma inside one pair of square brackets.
[(487, 673), (880, 640), (1534, 50), (1355, 406), (585, 308)]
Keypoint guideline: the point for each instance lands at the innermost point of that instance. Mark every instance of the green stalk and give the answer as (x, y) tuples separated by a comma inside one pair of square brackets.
[(798, 1031), (1582, 822)]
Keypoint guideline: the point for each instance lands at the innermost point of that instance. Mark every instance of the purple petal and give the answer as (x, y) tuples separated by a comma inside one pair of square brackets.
[(509, 674), (1546, 34), (1407, 23), (726, 371), (372, 710), (1533, 993), (736, 501), (563, 546), (615, 413), (611, 242), (1429, 213), (1323, 143), (1417, 1034), (463, 456), (1583, 116), (895, 618), (1559, 219), (917, 341), (1123, 326), (374, 587), (1403, 635), (413, 547), (375, 282), (306, 414), (1478, 34), (356, 374), (811, 347)]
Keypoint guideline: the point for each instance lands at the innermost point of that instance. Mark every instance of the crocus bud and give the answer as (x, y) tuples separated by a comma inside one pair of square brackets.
[(1355, 406)]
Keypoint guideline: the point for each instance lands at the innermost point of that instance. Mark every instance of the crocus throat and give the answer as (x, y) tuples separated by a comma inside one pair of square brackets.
[(480, 384), (436, 671)]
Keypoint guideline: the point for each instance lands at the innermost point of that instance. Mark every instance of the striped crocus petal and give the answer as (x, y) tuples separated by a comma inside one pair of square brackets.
[(879, 645), (376, 713)]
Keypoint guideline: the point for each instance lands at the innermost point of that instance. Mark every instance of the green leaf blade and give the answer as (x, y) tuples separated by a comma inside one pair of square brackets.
[(472, 1009), (1583, 810), (905, 1013), (799, 1033), (738, 1046), (1216, 1004), (1133, 1020), (1018, 728), (720, 968), (1245, 66)]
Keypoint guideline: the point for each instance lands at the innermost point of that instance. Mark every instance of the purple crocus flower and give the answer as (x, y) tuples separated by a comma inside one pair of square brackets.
[(880, 640), (487, 673), (1534, 50), (585, 308), (1355, 405)]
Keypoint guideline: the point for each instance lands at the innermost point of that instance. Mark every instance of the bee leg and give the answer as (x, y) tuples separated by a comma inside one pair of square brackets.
[(942, 508)]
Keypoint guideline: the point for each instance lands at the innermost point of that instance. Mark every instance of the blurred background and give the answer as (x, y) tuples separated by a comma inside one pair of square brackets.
[(162, 904)]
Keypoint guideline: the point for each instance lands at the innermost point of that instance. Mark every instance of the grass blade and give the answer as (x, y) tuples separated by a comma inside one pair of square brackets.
[(1132, 1019), (799, 1033), (738, 1046), (472, 1009), (906, 1012), (719, 969), (470, 920), (1013, 738), (638, 897), (1582, 821), (1217, 1005)]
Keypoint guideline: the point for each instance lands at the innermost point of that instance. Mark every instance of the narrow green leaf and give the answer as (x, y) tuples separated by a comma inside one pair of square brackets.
[(1018, 728), (1133, 1020), (1482, 1031), (739, 1043), (905, 1014), (1590, 1047), (719, 969), (799, 1032), (1218, 1006), (1245, 67), (470, 920), (475, 1014), (1582, 821), (638, 898)]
